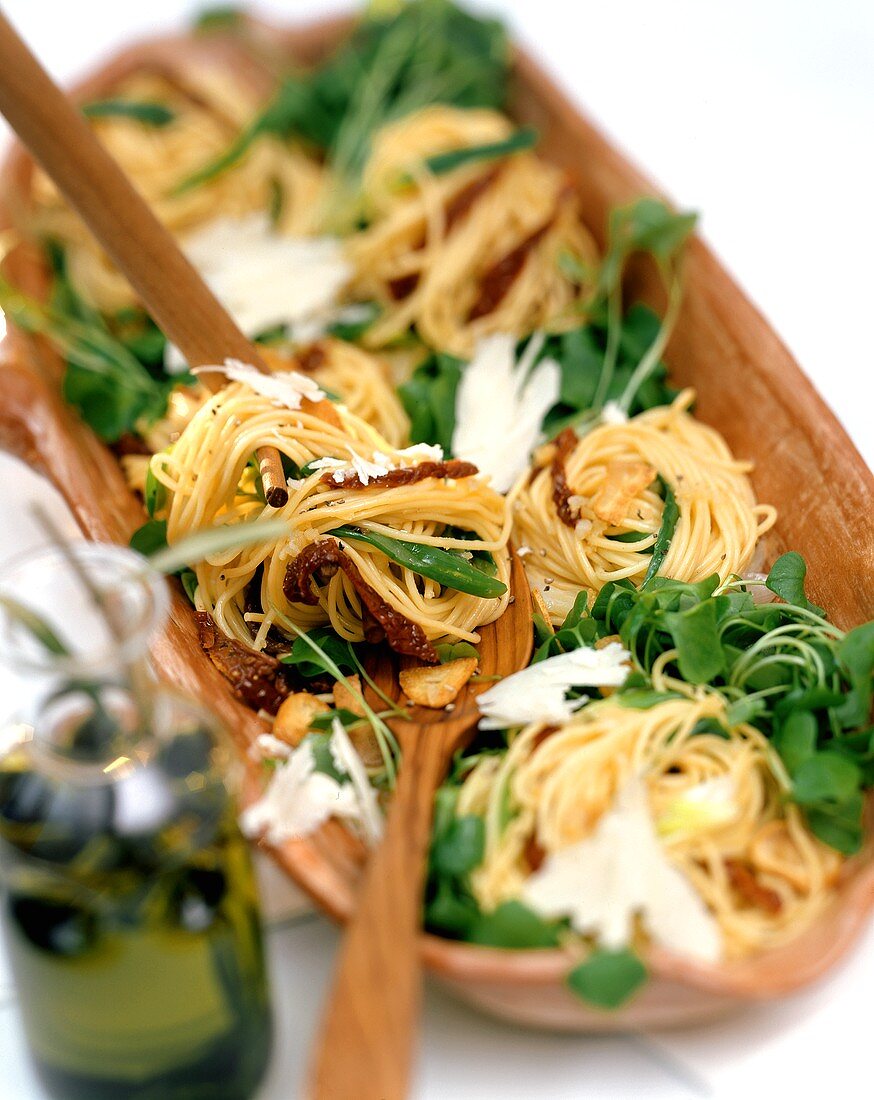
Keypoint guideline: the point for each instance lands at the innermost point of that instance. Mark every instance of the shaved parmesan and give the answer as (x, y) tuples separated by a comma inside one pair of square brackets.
[(298, 800), (381, 464), (537, 693), (284, 388), (620, 873), (348, 761), (271, 747), (266, 280), (500, 406)]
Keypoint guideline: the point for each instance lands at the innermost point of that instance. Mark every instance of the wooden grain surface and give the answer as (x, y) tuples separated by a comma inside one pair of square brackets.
[(749, 387), (366, 1042)]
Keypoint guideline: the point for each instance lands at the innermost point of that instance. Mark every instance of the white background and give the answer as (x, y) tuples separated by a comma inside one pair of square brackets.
[(760, 115)]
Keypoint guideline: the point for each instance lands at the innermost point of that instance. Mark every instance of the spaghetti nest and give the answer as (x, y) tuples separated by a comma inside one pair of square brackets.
[(208, 111), (212, 480), (470, 251), (593, 508), (757, 868), (362, 381)]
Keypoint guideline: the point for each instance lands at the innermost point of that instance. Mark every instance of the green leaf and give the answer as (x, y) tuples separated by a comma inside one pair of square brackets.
[(795, 741), (519, 142), (447, 567), (314, 654), (429, 397), (451, 911), (786, 579), (855, 654), (112, 390), (151, 538), (670, 518), (840, 826), (460, 847), (455, 651), (189, 582), (607, 979), (646, 225), (149, 114), (825, 777), (322, 756), (513, 924), (696, 635), (155, 494)]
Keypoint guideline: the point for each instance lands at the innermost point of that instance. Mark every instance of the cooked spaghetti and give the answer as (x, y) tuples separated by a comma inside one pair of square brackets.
[(473, 251), (753, 861), (209, 108), (587, 499), (210, 481)]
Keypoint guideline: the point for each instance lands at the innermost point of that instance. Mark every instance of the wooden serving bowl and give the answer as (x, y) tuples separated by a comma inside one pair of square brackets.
[(749, 387)]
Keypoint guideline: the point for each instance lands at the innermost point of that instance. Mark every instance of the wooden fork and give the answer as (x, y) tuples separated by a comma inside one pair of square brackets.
[(365, 1046)]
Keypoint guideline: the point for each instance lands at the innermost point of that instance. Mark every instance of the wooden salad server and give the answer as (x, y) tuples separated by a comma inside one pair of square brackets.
[(94, 185), (365, 1047)]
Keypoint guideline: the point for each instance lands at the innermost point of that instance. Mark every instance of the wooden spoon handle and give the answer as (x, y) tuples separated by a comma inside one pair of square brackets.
[(94, 185), (365, 1045)]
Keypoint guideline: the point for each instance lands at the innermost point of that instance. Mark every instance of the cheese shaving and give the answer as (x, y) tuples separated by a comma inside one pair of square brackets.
[(621, 873), (286, 389), (266, 280), (500, 406), (537, 693)]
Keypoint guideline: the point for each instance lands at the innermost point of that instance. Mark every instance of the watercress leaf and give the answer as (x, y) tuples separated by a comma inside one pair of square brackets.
[(149, 538), (429, 398), (189, 582), (155, 493), (696, 636), (460, 847), (786, 578), (513, 924), (451, 911), (855, 654), (322, 756), (447, 567), (825, 777), (309, 662), (607, 979), (839, 826), (578, 610), (796, 739), (455, 651)]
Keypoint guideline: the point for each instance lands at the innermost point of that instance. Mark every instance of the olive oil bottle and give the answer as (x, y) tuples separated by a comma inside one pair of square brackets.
[(129, 907)]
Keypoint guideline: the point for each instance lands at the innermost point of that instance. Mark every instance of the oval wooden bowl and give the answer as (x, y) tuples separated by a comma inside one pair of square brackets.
[(748, 387)]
